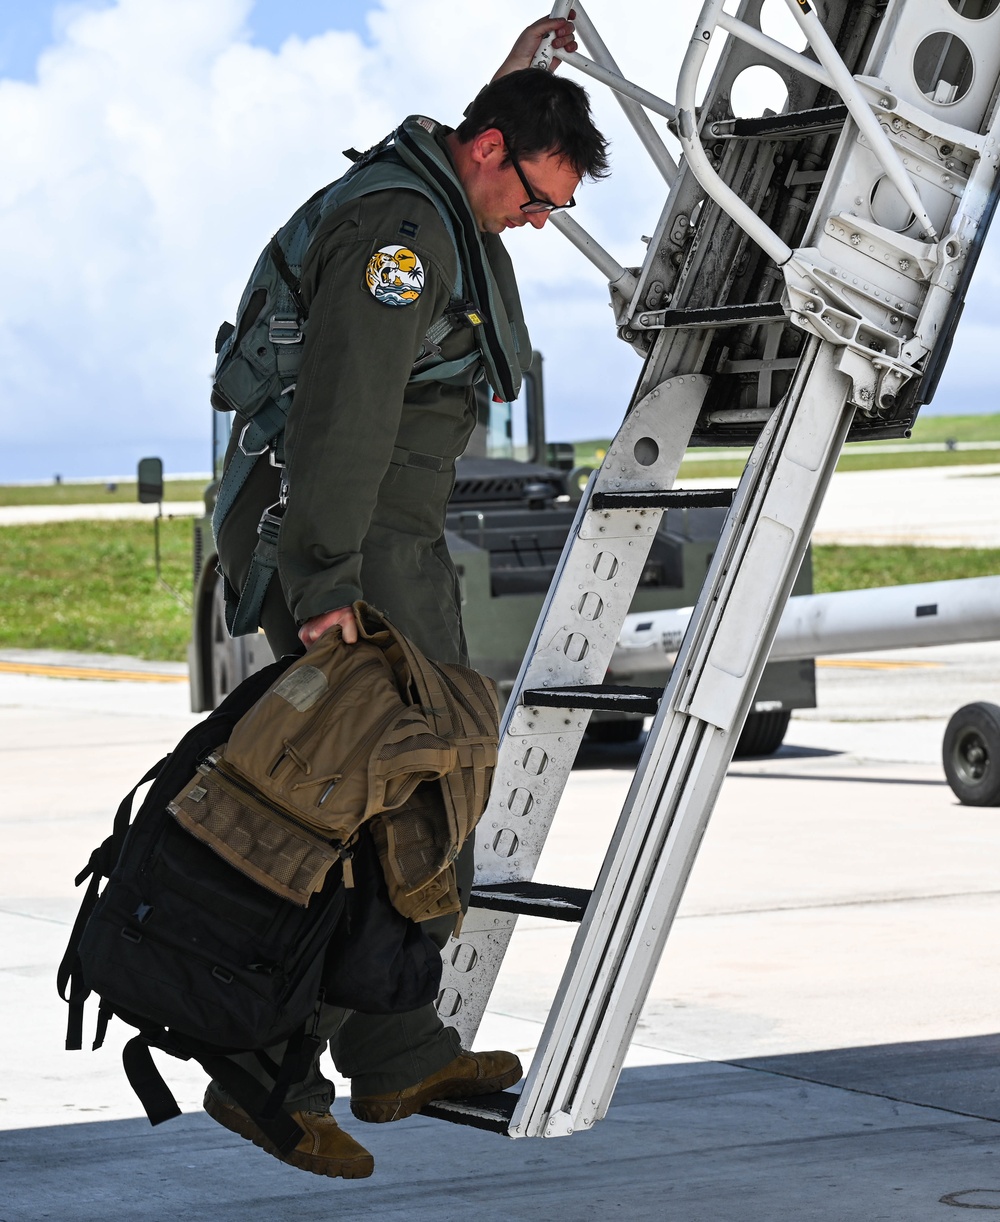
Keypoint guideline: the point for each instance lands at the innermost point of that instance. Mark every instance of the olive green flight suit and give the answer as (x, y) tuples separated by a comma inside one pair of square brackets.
[(370, 463)]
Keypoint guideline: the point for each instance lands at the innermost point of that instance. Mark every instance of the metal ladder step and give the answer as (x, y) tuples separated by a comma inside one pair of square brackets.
[(533, 899), (714, 316), (796, 123), (603, 696), (672, 498), (490, 1112)]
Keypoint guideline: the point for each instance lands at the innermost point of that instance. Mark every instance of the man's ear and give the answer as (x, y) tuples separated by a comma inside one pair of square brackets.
[(489, 147)]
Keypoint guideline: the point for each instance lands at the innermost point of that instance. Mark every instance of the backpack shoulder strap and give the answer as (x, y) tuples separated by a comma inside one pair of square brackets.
[(70, 982)]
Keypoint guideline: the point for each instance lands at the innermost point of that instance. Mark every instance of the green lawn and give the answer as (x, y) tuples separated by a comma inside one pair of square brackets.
[(861, 568), (957, 428), (91, 586)]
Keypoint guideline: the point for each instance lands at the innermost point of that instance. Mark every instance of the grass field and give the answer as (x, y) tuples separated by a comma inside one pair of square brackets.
[(863, 568), (91, 586)]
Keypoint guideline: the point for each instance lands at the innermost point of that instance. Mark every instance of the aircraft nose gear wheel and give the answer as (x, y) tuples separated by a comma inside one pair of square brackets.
[(971, 754)]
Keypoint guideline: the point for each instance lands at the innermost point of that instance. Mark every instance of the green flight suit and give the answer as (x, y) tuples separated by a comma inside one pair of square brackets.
[(370, 463)]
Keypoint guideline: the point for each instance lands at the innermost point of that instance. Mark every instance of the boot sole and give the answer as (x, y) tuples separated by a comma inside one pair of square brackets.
[(243, 1126), (384, 1112)]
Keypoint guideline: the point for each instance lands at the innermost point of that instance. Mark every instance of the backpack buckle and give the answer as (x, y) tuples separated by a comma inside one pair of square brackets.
[(285, 329)]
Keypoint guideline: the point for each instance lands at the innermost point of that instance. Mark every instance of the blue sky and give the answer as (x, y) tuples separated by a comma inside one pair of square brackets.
[(151, 147), (26, 29)]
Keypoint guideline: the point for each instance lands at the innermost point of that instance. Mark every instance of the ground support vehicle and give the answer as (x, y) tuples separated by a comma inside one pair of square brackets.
[(512, 508)]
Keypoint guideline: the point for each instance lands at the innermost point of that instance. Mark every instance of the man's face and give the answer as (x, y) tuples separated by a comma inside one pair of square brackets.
[(495, 189)]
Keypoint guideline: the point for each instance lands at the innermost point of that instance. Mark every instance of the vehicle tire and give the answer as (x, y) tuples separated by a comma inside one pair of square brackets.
[(763, 733), (219, 643), (971, 754), (623, 730)]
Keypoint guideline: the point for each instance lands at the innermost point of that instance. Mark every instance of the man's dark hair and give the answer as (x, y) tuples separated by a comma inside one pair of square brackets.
[(539, 112)]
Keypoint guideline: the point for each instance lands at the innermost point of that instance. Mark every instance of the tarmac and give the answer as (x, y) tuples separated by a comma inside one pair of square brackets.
[(821, 1042)]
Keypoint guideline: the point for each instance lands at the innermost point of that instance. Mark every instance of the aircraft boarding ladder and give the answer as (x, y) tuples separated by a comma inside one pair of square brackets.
[(801, 289)]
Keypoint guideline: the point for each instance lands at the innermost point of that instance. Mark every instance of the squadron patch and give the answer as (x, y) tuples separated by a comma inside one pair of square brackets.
[(395, 276)]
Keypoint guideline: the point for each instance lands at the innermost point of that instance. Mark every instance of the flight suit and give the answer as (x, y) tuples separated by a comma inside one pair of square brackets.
[(370, 464)]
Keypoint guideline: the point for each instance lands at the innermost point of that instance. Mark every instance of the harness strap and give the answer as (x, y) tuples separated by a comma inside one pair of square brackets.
[(461, 371), (431, 166), (244, 617), (257, 437), (285, 272)]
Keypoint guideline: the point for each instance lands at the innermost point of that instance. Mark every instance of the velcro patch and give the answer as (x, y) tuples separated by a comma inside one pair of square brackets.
[(302, 687), (409, 229), (395, 276)]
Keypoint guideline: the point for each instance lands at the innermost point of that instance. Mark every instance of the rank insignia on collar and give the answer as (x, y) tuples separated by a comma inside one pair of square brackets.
[(395, 276)]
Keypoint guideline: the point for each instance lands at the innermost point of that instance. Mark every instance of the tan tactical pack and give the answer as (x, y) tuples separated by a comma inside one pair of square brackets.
[(351, 734)]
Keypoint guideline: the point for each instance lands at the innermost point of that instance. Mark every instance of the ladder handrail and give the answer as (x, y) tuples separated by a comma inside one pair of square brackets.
[(830, 71)]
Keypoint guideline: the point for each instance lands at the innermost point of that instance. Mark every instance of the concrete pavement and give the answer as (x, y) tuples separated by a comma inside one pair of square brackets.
[(919, 506), (820, 1041), (25, 515)]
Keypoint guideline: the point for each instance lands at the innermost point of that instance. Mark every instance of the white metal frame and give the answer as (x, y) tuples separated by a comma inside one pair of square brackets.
[(872, 301)]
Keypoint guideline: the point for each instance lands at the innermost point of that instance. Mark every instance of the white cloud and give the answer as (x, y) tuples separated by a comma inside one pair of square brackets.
[(159, 150)]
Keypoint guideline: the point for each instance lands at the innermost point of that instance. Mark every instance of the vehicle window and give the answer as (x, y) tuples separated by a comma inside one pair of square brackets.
[(503, 430), (222, 424), (507, 430)]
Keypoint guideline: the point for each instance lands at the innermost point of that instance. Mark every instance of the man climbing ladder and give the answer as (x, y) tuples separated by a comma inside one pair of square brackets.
[(339, 470)]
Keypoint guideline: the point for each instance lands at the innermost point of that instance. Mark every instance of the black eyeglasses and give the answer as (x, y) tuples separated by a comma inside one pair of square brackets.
[(536, 203)]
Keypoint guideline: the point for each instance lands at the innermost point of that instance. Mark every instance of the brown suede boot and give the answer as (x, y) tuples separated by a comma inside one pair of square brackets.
[(471, 1073), (324, 1150)]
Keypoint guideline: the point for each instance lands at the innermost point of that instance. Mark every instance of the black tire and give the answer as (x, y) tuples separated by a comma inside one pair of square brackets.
[(217, 635), (971, 754), (763, 733), (623, 730)]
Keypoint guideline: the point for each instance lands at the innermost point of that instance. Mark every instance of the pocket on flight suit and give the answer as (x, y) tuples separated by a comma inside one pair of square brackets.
[(406, 571)]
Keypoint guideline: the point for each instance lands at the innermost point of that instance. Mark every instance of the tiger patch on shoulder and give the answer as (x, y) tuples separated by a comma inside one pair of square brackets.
[(395, 276)]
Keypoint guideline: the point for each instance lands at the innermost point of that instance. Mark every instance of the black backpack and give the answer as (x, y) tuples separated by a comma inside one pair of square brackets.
[(204, 962)]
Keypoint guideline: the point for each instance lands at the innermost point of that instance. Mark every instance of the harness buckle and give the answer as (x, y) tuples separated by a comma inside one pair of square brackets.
[(242, 447), (428, 355), (270, 523), (285, 329)]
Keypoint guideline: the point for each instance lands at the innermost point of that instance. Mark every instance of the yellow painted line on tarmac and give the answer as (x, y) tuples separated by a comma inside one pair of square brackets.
[(861, 664), (88, 672)]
